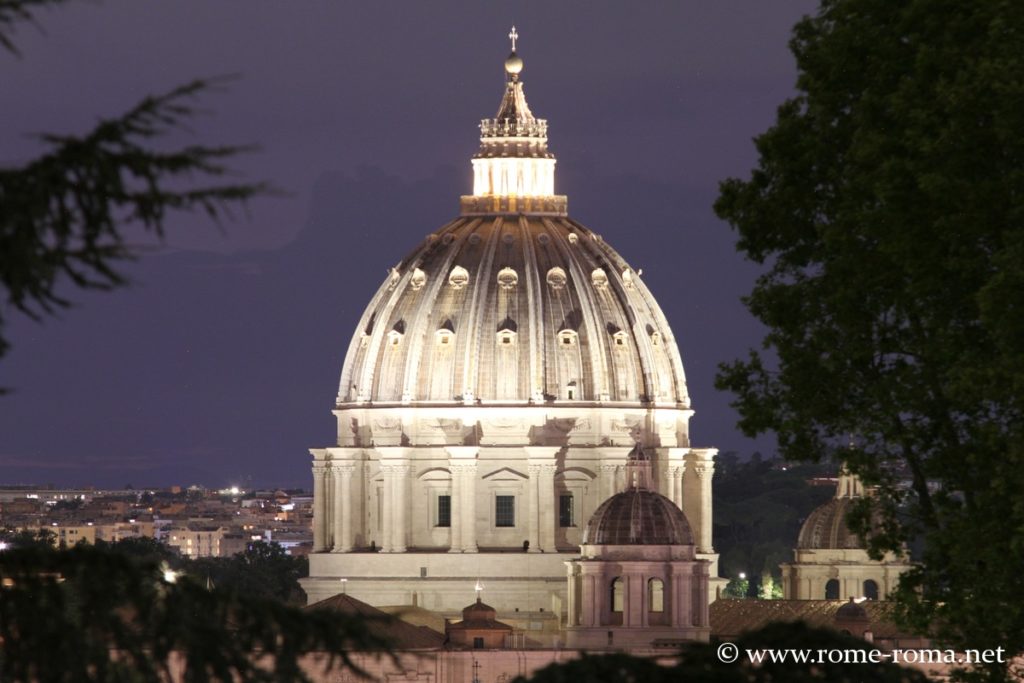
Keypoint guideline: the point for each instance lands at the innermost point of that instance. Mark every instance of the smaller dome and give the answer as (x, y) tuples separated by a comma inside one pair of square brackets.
[(638, 517), (851, 611), (514, 64), (826, 528)]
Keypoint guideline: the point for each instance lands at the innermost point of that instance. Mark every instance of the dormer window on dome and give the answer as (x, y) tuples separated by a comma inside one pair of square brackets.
[(567, 338), (556, 278), (507, 278), (627, 278), (459, 277), (619, 339), (394, 338), (418, 279)]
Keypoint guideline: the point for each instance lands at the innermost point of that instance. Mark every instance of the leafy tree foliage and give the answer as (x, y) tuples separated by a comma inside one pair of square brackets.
[(887, 207), (26, 538), (759, 507), (144, 548), (736, 588), (700, 662), (64, 214), (265, 570), (96, 614)]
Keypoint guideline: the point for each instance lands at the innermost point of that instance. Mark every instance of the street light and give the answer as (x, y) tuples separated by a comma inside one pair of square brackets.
[(743, 576)]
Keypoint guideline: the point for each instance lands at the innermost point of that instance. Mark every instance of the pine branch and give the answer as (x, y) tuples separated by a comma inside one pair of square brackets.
[(13, 12), (64, 214)]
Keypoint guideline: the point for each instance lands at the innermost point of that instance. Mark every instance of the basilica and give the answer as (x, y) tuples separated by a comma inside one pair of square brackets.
[(490, 400)]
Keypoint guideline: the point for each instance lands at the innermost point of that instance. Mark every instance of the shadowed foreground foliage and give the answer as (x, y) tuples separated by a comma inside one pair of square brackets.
[(65, 613), (700, 662), (887, 209)]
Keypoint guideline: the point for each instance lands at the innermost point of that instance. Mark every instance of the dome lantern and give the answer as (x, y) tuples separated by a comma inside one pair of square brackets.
[(513, 172)]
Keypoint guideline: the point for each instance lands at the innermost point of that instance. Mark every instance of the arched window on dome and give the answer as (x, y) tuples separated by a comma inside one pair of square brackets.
[(871, 590), (618, 595), (418, 279), (655, 595), (507, 278), (394, 338), (572, 392), (832, 589), (458, 278), (556, 278)]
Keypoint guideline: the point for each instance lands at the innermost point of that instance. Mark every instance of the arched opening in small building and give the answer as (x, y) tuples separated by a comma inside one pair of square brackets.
[(832, 589), (655, 601), (617, 600), (870, 590)]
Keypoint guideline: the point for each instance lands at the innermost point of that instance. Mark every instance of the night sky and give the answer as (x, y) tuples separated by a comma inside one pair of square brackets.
[(220, 363)]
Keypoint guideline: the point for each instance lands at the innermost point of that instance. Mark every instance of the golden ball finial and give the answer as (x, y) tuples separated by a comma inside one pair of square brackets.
[(513, 65)]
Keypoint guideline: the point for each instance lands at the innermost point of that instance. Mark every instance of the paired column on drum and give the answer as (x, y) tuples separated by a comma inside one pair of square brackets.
[(343, 495), (335, 521), (541, 515), (319, 506), (394, 465), (674, 471), (700, 467), (462, 461), (612, 471)]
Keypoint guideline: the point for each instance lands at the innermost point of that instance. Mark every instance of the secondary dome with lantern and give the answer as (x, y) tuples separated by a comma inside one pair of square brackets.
[(638, 515), (513, 301), (826, 527)]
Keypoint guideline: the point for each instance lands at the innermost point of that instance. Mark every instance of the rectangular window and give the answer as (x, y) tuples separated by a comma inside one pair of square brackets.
[(504, 511), (444, 510), (565, 516), (478, 643)]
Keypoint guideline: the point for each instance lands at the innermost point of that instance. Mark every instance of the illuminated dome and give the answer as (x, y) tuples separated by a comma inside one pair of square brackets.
[(513, 308), (826, 528), (638, 517), (499, 388), (513, 301)]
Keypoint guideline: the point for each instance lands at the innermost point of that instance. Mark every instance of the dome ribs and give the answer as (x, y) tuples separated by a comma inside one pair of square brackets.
[(421, 315), (597, 340), (349, 388), (534, 388), (596, 383), (477, 315)]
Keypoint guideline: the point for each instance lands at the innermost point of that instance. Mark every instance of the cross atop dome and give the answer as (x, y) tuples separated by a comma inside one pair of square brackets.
[(513, 36)]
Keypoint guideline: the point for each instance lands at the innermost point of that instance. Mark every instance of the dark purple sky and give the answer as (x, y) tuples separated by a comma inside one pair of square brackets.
[(220, 364)]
